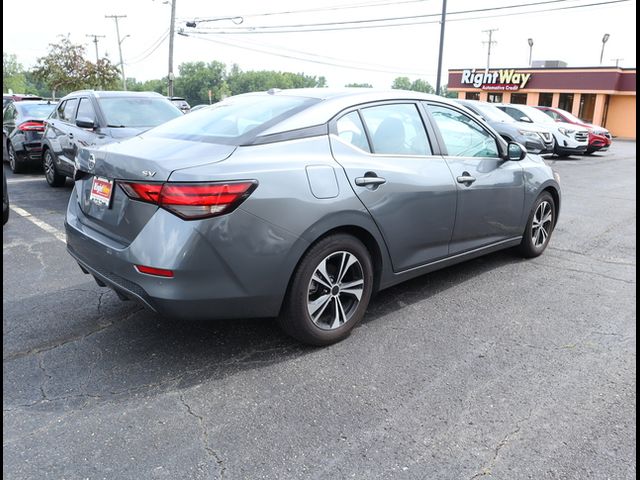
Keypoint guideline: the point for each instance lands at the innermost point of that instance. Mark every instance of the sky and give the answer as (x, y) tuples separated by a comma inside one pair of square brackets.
[(372, 55)]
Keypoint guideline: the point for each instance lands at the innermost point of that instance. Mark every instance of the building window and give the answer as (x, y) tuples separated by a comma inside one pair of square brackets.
[(494, 98), (566, 102), (587, 106), (472, 95), (545, 99), (519, 98)]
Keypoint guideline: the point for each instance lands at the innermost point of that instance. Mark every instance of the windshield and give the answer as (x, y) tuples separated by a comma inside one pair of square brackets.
[(570, 117), (492, 113), (137, 112), (36, 110), (536, 115), (233, 119)]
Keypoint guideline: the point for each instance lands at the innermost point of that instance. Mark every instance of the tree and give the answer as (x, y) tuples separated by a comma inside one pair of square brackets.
[(419, 85), (401, 83), (444, 92), (12, 74), (359, 85), (197, 78), (262, 80), (64, 68)]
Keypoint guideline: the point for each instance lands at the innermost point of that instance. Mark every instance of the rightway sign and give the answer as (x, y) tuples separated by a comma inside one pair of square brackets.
[(509, 80)]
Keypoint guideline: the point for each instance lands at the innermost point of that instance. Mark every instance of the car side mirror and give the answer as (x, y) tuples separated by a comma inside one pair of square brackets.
[(516, 151), (525, 119), (86, 122)]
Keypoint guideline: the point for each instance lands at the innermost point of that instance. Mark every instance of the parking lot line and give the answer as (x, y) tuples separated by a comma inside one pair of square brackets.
[(23, 180), (39, 223)]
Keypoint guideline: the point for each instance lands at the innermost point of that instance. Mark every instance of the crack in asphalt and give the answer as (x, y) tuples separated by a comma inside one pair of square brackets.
[(496, 450), (590, 257), (66, 341), (590, 272), (205, 435)]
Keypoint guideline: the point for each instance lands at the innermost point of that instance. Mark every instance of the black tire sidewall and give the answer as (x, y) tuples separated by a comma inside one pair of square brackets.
[(295, 319), (527, 247)]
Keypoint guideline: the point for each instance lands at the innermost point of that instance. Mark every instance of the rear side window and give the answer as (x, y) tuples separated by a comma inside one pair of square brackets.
[(396, 129), (85, 110), (234, 120), (69, 110), (462, 136), (351, 130)]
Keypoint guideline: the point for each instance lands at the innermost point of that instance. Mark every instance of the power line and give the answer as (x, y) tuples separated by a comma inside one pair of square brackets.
[(159, 44), (152, 47), (316, 61), (246, 31)]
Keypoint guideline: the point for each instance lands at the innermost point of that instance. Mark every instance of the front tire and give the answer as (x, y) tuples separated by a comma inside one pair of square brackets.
[(329, 291), (51, 174), (540, 225), (17, 165)]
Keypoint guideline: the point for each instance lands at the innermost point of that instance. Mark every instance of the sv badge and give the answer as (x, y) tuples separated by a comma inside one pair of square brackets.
[(148, 173)]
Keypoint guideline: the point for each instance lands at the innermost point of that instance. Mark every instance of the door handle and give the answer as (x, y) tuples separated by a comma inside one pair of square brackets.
[(466, 178), (370, 181)]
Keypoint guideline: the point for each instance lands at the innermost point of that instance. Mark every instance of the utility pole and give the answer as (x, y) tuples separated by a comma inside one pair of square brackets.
[(116, 17), (617, 60), (442, 20), (489, 43), (95, 40), (171, 31)]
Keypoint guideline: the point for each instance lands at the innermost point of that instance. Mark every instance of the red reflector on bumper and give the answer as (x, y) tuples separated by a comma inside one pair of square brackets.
[(158, 272)]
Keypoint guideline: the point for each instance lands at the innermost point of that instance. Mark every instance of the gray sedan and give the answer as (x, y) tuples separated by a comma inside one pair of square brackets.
[(301, 204), (536, 139)]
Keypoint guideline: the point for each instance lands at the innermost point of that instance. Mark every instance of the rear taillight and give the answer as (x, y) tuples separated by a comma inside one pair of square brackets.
[(192, 200), (31, 127)]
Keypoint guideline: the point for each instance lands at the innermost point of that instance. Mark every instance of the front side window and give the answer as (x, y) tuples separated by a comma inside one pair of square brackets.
[(396, 130), (85, 110), (137, 112), (69, 110), (462, 136), (351, 130), (60, 110)]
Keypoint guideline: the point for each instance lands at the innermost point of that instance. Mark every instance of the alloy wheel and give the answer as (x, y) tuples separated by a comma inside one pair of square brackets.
[(12, 157), (541, 224), (49, 170), (335, 290)]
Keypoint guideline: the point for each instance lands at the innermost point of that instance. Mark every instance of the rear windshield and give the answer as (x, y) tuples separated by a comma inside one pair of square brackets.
[(234, 120), (36, 110), (137, 112), (492, 113)]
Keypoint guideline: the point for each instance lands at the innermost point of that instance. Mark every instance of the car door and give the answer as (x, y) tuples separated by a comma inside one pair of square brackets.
[(84, 137), (59, 133), (8, 124), (490, 188), (406, 186)]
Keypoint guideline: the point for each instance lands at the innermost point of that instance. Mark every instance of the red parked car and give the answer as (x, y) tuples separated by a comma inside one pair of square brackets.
[(599, 137)]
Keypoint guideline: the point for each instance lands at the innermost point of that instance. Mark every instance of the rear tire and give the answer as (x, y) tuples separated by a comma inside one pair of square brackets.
[(540, 225), (51, 174), (17, 165), (329, 291)]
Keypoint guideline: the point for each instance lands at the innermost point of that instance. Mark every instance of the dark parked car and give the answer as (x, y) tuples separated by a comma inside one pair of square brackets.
[(181, 103), (22, 129), (5, 199), (302, 203), (536, 140), (89, 117), (17, 97)]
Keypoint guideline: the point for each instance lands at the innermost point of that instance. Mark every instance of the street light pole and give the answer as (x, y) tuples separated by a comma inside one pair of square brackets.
[(170, 77), (605, 38), (442, 20), (116, 17), (530, 49)]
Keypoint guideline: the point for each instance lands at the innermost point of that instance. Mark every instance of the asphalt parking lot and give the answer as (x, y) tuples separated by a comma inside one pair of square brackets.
[(496, 368)]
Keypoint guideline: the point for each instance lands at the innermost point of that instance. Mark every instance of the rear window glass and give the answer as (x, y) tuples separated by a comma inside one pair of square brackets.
[(137, 112), (234, 120), (35, 110)]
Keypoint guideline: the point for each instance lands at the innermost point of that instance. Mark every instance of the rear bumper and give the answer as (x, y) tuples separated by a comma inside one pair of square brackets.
[(217, 273), (29, 150)]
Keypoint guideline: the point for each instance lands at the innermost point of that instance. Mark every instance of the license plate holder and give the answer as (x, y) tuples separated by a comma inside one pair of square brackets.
[(101, 191)]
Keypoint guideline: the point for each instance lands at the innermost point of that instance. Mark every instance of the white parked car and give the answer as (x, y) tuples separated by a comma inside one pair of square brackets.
[(570, 139)]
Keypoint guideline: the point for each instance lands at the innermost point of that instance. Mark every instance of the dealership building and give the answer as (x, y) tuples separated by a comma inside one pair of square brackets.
[(605, 96)]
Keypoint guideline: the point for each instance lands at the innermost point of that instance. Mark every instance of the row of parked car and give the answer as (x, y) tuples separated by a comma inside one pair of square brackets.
[(542, 130)]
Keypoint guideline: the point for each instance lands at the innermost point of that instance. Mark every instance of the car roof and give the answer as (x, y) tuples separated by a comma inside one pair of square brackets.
[(33, 102), (112, 93), (332, 101)]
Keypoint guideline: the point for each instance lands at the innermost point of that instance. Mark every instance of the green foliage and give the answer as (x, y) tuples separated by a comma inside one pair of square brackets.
[(444, 92), (419, 85), (359, 85), (262, 80), (12, 74), (197, 78), (155, 85)]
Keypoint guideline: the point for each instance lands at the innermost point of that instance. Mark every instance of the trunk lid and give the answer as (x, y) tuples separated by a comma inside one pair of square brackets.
[(138, 159)]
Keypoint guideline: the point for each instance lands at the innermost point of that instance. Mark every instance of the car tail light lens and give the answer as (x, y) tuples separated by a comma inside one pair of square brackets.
[(31, 127), (158, 272), (192, 201)]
